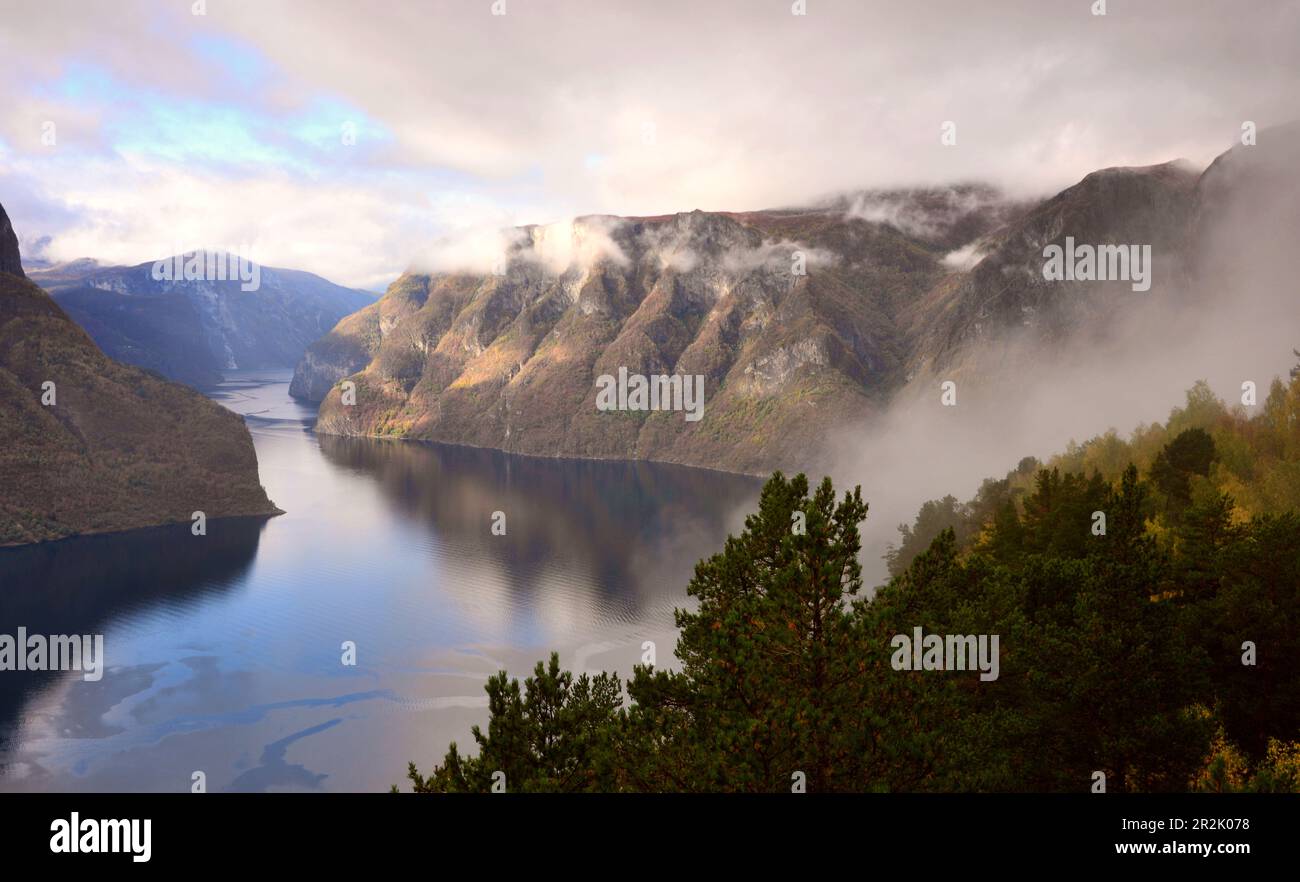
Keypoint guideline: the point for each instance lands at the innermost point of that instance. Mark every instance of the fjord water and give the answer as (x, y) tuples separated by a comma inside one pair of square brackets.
[(224, 652)]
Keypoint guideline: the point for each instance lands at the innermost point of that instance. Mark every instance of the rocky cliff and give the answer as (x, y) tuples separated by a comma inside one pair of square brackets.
[(88, 445), (787, 316), (959, 323), (800, 321), (10, 262)]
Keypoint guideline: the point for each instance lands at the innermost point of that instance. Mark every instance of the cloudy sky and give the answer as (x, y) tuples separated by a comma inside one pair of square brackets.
[(352, 139)]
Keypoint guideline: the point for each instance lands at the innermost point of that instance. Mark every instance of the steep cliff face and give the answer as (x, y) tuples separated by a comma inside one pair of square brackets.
[(958, 324), (788, 317), (190, 330), (1247, 215), (89, 445), (10, 262), (897, 290), (344, 351)]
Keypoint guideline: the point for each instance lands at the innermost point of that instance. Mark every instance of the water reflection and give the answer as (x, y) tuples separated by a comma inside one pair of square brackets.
[(78, 586), (224, 653), (630, 533)]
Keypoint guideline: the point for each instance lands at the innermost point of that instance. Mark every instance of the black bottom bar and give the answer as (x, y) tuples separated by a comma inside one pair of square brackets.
[(221, 831)]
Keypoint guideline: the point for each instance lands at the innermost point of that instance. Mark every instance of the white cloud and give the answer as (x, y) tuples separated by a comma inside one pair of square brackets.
[(131, 213), (966, 257), (571, 108), (575, 243)]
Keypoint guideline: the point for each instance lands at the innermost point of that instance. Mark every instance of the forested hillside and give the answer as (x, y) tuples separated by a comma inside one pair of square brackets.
[(1203, 450), (1144, 594)]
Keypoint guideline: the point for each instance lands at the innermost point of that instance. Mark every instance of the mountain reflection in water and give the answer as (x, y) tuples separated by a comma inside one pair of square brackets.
[(223, 652)]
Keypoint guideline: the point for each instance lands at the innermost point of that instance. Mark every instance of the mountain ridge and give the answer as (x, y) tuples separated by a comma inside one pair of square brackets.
[(900, 290), (213, 326)]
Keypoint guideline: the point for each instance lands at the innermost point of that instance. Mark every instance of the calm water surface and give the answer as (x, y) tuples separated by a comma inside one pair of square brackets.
[(223, 652)]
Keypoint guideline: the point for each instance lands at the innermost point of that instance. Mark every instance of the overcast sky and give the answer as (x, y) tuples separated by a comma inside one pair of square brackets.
[(172, 130)]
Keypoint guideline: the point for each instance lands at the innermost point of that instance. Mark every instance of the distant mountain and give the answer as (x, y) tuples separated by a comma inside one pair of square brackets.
[(107, 447), (191, 331), (899, 290)]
